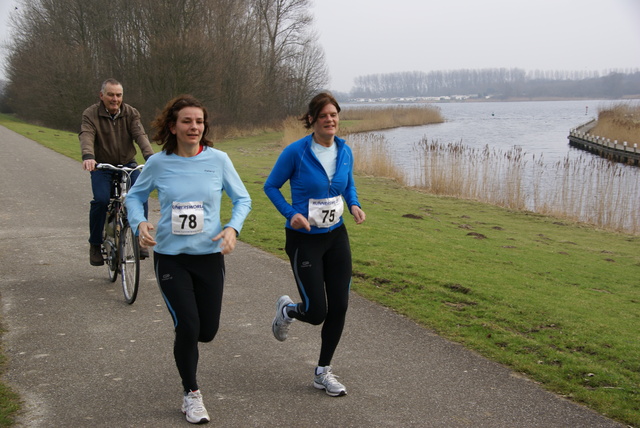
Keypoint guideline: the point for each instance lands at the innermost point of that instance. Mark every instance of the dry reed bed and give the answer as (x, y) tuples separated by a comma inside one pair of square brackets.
[(585, 189), (620, 122), (368, 119)]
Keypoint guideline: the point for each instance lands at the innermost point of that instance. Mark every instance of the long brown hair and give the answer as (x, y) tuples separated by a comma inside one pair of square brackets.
[(169, 116)]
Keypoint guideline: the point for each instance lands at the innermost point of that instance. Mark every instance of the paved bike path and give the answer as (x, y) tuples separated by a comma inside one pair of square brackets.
[(79, 356)]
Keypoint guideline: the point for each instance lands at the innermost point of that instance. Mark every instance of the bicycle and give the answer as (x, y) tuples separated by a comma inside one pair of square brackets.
[(120, 247)]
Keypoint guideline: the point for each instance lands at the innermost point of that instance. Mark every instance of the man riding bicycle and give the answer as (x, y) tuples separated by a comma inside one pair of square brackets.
[(107, 134)]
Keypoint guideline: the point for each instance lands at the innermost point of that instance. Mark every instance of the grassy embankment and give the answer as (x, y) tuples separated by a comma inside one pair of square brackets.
[(555, 300)]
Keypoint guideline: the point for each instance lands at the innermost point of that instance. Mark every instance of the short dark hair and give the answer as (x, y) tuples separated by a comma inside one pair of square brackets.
[(315, 107), (169, 116)]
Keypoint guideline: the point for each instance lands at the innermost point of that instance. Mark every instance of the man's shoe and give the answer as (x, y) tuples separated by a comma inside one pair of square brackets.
[(280, 325), (193, 408), (144, 253), (95, 255), (327, 381)]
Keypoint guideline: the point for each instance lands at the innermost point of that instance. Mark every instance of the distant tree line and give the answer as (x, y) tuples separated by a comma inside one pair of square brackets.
[(250, 61), (498, 83)]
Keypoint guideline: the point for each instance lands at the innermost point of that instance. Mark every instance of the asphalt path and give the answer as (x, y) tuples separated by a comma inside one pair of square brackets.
[(79, 356)]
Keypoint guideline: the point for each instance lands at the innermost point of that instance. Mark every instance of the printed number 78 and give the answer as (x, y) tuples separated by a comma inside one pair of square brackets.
[(192, 220)]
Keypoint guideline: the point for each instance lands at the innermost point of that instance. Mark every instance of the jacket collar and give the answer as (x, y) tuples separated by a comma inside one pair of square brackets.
[(337, 140), (102, 111)]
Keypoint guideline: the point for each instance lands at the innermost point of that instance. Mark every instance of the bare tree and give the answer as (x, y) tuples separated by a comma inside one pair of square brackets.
[(47, 58), (235, 71), (251, 61), (497, 82), (307, 74), (282, 25)]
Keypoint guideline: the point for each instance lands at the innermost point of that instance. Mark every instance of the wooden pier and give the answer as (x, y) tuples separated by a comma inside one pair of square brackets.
[(618, 151)]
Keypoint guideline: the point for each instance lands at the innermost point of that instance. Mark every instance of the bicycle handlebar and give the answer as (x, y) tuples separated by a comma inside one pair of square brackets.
[(110, 167)]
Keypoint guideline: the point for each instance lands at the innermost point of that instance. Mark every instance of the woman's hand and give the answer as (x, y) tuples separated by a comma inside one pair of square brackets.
[(228, 236), (358, 215), (299, 221), (144, 234)]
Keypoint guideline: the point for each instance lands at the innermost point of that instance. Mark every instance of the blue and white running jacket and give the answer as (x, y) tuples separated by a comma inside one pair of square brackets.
[(178, 179), (308, 180)]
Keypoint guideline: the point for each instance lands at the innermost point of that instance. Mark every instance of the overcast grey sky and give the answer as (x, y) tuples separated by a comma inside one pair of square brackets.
[(363, 37)]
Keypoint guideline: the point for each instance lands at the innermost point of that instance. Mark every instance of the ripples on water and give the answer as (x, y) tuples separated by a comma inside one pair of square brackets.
[(554, 177)]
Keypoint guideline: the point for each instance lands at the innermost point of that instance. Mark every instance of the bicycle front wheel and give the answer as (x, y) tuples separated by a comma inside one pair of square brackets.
[(129, 264)]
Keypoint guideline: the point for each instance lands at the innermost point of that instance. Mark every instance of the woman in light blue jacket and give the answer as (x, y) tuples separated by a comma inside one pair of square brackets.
[(319, 168), (190, 243)]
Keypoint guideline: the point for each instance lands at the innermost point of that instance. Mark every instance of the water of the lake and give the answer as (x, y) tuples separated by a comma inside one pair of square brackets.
[(540, 129)]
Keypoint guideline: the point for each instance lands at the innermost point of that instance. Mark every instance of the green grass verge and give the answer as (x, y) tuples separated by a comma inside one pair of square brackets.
[(555, 300)]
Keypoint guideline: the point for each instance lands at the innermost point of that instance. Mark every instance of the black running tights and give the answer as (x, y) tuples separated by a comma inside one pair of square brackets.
[(321, 265), (192, 287)]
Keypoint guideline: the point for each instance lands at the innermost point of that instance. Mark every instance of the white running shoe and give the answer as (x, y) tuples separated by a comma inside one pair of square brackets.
[(327, 381), (280, 325), (193, 408)]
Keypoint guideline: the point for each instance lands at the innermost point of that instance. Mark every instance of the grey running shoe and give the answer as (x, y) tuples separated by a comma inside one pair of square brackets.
[(193, 408), (280, 325), (327, 381)]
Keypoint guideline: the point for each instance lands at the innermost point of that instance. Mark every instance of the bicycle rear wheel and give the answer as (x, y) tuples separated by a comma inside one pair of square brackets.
[(110, 254), (129, 264), (111, 259)]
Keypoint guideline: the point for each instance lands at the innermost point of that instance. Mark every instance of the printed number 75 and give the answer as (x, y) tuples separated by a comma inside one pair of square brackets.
[(329, 215)]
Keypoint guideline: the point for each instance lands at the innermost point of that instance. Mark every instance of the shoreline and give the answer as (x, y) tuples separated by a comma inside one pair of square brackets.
[(408, 100)]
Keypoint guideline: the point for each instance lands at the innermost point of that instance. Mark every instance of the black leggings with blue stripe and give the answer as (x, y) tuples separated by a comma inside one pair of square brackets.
[(322, 268), (192, 287)]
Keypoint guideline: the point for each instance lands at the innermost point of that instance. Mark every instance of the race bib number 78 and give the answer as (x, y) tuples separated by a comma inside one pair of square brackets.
[(187, 218)]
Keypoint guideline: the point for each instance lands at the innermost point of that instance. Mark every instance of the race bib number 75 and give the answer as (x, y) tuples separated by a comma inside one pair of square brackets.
[(325, 212), (187, 218)]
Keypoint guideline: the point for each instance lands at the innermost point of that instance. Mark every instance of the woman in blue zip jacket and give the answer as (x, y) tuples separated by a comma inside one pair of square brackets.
[(319, 168)]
